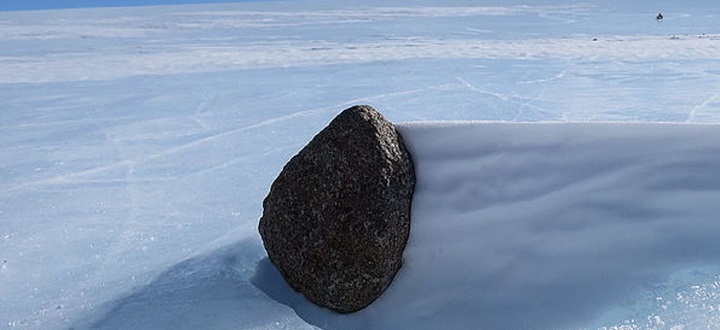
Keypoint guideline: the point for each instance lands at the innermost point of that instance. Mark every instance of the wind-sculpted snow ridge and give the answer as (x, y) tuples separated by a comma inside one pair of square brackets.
[(560, 226)]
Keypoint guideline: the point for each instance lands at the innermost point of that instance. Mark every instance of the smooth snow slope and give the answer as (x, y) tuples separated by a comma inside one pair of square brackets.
[(136, 144), (548, 226)]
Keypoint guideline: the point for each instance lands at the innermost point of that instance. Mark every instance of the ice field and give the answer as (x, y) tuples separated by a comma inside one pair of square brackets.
[(566, 156)]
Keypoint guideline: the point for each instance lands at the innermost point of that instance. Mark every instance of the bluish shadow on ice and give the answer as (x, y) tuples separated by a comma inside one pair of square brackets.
[(212, 291), (228, 288), (268, 279)]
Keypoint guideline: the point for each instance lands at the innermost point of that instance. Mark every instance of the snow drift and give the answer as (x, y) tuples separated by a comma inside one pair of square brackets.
[(515, 226), (546, 226)]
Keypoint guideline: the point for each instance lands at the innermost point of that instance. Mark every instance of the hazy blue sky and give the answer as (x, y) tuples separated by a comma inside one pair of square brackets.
[(56, 4)]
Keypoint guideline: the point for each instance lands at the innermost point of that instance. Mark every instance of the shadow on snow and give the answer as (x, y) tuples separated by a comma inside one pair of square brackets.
[(225, 289)]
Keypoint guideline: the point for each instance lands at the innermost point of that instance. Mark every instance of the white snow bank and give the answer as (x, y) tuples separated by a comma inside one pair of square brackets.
[(520, 226)]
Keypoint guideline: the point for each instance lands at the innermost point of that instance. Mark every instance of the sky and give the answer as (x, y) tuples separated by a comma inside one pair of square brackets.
[(8, 5)]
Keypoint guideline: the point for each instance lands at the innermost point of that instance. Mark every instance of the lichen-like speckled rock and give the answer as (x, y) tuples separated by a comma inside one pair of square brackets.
[(337, 218)]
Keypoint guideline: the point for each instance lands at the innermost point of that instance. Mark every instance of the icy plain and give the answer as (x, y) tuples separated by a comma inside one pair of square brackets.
[(137, 145)]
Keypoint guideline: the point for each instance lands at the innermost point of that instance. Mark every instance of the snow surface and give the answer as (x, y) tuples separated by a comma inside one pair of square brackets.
[(137, 145)]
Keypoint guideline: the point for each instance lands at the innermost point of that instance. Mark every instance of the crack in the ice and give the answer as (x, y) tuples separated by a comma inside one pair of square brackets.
[(703, 104), (131, 163), (505, 98)]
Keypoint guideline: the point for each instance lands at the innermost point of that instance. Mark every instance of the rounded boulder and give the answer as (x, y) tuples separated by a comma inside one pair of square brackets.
[(337, 218)]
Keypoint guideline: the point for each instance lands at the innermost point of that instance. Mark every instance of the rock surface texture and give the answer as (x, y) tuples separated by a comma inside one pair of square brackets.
[(337, 218)]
